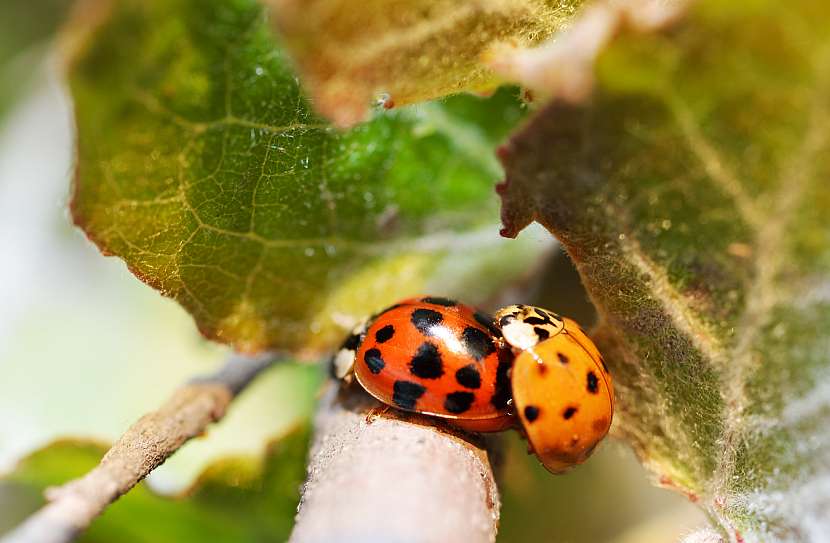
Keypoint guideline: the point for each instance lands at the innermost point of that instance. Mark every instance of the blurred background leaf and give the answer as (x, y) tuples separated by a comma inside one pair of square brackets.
[(201, 165), (692, 194), (608, 499), (25, 29), (236, 499), (407, 51)]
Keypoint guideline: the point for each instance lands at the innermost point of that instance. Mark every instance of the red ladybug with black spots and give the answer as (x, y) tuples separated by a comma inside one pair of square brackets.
[(433, 356)]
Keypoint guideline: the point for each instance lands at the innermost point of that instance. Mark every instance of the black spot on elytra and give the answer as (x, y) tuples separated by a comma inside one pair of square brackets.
[(502, 392), (352, 342), (374, 361), (468, 376), (426, 363), (405, 394), (562, 358), (425, 319), (437, 300), (531, 413), (593, 383), (541, 333), (458, 402), (385, 334), (569, 412), (477, 342), (483, 319), (487, 321), (542, 368)]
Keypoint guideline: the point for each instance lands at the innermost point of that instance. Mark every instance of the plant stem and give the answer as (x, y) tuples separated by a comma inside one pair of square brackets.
[(378, 475)]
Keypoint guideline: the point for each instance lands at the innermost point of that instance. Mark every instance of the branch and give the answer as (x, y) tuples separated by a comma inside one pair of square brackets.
[(377, 475), (142, 448)]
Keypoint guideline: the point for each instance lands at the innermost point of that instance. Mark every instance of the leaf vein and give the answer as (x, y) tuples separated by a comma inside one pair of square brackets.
[(714, 165)]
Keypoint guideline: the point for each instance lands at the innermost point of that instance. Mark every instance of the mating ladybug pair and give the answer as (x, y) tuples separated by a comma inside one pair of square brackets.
[(526, 368)]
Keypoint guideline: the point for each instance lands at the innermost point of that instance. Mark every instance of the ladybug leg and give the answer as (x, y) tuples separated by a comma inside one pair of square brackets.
[(376, 412)]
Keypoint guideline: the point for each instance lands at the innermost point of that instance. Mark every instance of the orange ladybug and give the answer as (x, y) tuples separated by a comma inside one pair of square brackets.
[(562, 391), (434, 356)]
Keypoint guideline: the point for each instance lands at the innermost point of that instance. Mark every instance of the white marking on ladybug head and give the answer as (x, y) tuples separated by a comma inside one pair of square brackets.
[(344, 363), (519, 335), (524, 326)]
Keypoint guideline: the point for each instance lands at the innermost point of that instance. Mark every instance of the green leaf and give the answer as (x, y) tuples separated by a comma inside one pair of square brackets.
[(236, 499), (202, 166), (351, 52), (23, 24), (692, 193)]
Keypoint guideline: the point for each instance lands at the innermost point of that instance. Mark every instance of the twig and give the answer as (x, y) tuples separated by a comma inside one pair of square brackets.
[(377, 476), (142, 448)]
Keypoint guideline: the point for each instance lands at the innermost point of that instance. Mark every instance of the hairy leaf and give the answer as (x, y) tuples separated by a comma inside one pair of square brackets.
[(202, 166), (405, 51), (236, 499), (692, 192)]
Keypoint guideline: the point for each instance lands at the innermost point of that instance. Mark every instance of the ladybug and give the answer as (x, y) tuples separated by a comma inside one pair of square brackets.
[(561, 388), (433, 356)]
